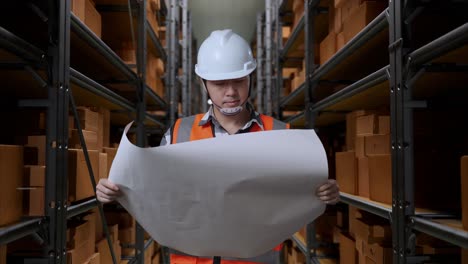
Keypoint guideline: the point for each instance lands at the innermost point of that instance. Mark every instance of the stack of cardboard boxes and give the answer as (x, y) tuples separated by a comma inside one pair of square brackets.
[(365, 168), (95, 124), (346, 19)]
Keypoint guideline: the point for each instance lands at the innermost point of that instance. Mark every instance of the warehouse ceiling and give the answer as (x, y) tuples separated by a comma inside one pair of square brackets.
[(239, 15)]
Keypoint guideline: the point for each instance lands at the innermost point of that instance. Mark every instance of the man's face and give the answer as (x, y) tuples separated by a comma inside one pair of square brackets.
[(228, 93)]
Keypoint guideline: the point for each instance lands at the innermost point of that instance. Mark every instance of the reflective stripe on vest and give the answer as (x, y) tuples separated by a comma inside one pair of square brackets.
[(188, 128)]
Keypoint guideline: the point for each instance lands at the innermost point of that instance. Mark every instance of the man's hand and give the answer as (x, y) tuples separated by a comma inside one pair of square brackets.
[(106, 191), (329, 192)]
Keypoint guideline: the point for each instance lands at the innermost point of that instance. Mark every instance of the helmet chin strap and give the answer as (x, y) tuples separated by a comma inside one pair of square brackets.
[(228, 111)]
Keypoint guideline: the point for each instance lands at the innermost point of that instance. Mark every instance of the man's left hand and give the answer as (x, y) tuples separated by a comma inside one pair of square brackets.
[(328, 192)]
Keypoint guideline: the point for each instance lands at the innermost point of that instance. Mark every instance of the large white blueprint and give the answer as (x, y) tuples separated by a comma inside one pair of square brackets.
[(232, 196)]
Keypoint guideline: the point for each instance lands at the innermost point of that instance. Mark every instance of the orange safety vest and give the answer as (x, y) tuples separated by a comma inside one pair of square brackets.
[(188, 129)]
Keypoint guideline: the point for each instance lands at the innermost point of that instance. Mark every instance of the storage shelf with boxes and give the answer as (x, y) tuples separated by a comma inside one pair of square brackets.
[(96, 70), (355, 74), (107, 67), (341, 65)]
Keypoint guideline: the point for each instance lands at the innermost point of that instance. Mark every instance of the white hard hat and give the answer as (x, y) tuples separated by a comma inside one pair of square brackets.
[(224, 55)]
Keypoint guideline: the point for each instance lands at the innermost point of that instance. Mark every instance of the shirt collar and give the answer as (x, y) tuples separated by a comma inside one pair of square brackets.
[(254, 117)]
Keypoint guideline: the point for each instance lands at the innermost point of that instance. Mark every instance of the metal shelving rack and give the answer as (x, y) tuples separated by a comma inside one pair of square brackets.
[(389, 81), (58, 81)]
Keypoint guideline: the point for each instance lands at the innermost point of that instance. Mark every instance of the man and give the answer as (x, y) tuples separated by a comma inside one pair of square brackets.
[(224, 65)]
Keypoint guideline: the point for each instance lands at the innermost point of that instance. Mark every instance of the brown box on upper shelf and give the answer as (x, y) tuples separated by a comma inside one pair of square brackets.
[(363, 177), (378, 253), (367, 125), (384, 125), (40, 143), (327, 47), (34, 175), (89, 119), (79, 184), (111, 152), (340, 41), (78, 8), (351, 127), (464, 191), (377, 144), (360, 17), (346, 171), (380, 178), (11, 178), (34, 200), (93, 18), (90, 137), (373, 230)]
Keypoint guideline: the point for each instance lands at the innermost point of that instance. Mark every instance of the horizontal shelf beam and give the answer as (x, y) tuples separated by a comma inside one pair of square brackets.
[(294, 118), (355, 88), (94, 87), (156, 97), (293, 95), (84, 32), (293, 37), (157, 42), (374, 27), (366, 205), (299, 244), (20, 47), (16, 231), (452, 235), (448, 42), (75, 210)]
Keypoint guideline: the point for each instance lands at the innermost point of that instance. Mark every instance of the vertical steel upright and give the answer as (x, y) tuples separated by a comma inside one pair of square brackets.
[(185, 55), (268, 59), (171, 70), (260, 76), (190, 65), (141, 112), (57, 132), (401, 139), (310, 41), (278, 65)]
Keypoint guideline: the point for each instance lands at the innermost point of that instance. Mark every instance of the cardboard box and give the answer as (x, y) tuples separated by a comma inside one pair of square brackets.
[(89, 120), (346, 171), (360, 147), (93, 18), (367, 125), (373, 230), (340, 41), (380, 178), (338, 23), (111, 152), (356, 19), (348, 252), (377, 144), (79, 183), (464, 190), (94, 259), (327, 47), (3, 254), (351, 127), (156, 258), (384, 125), (353, 214), (104, 251), (38, 142), (378, 253), (34, 176), (78, 232), (103, 172), (78, 8), (90, 137), (34, 199), (11, 178), (363, 177)]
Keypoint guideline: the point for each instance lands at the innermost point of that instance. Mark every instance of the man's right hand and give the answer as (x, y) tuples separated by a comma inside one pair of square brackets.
[(106, 191)]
